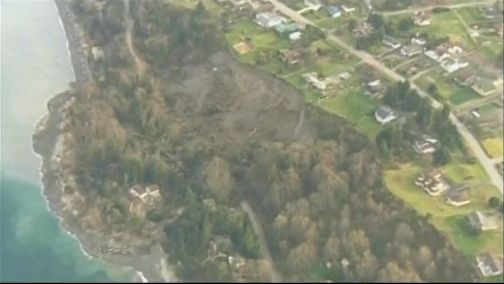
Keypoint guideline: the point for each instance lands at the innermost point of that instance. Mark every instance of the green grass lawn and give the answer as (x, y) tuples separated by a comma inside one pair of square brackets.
[(316, 16), (330, 23), (294, 4), (448, 219), (357, 108), (471, 15), (447, 87), (493, 146)]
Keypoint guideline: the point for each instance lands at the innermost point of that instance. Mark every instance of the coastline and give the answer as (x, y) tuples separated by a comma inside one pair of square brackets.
[(50, 126)]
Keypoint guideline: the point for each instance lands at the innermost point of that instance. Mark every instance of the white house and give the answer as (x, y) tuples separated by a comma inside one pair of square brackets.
[(384, 114), (455, 50), (391, 42), (421, 18), (451, 65), (147, 194), (268, 19), (295, 36), (314, 80), (313, 4), (411, 50), (347, 9)]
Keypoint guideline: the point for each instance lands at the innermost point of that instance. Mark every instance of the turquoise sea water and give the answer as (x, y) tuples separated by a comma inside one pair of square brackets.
[(34, 67)]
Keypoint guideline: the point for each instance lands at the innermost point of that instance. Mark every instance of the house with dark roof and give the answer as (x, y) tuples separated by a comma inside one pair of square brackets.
[(457, 197), (286, 28), (481, 221), (483, 86), (374, 88), (465, 78), (333, 11), (489, 264), (384, 114), (290, 57), (423, 147)]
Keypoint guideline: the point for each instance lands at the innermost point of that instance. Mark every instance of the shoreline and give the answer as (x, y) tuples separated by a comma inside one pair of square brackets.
[(51, 184)]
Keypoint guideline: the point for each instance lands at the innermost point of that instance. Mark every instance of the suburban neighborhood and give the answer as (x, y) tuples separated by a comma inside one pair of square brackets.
[(346, 58)]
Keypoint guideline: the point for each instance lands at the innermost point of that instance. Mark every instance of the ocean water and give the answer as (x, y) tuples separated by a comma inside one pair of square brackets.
[(34, 67)]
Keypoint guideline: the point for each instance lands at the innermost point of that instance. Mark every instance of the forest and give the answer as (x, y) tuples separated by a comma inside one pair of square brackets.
[(210, 143)]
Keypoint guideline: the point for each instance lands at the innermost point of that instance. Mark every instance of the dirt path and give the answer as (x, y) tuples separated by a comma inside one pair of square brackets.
[(262, 239), (300, 123), (140, 65)]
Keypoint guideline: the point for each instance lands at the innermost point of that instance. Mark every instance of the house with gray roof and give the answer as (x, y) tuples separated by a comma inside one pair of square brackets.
[(384, 114), (481, 221), (489, 264)]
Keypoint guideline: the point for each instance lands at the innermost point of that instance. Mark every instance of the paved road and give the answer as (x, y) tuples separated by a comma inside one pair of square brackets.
[(451, 6), (369, 59), (262, 239)]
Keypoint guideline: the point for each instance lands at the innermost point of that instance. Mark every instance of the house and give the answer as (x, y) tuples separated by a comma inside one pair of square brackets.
[(97, 53), (374, 88), (268, 19), (391, 42), (333, 11), (432, 182), (363, 29), (483, 86), (418, 40), (482, 222), (451, 65), (290, 57), (455, 50), (384, 114), (411, 50), (437, 54), (457, 197), (421, 18), (423, 147), (313, 4), (285, 28), (490, 12), (429, 139), (314, 80), (489, 264), (295, 36), (236, 261), (148, 194), (345, 75), (347, 10), (465, 78)]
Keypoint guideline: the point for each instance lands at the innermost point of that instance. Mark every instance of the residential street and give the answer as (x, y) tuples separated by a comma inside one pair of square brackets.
[(452, 6), (486, 162)]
